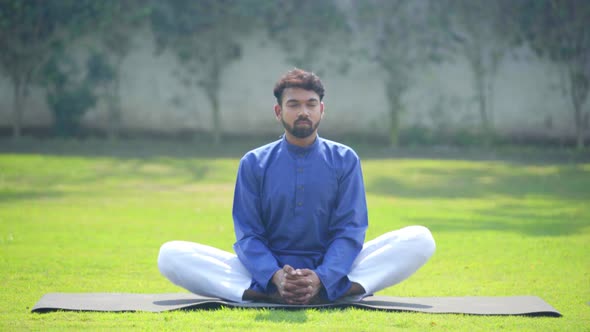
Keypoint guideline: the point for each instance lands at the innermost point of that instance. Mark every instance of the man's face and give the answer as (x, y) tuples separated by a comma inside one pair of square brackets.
[(300, 112)]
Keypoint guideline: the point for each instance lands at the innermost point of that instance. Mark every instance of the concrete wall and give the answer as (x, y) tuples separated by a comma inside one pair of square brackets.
[(528, 97)]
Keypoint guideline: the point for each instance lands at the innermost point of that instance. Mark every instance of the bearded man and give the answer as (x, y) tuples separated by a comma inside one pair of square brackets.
[(300, 217)]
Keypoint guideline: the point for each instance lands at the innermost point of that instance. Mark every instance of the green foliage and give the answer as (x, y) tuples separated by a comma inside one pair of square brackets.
[(205, 36), (29, 31), (423, 136), (399, 37), (68, 107), (95, 224), (100, 71), (307, 30), (476, 31), (558, 31), (68, 98)]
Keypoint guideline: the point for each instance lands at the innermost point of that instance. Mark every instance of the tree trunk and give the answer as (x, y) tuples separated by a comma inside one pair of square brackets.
[(578, 87), (394, 97), (212, 86), (579, 119), (394, 125), (18, 102), (114, 104), (482, 99), (395, 85), (217, 129)]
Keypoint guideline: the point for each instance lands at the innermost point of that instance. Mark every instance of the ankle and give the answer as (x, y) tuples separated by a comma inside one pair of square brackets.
[(355, 289)]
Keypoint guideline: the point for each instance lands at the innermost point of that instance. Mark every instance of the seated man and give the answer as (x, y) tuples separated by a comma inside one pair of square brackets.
[(300, 218)]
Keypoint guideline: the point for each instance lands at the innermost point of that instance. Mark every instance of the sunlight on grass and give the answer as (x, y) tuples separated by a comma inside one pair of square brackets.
[(95, 224)]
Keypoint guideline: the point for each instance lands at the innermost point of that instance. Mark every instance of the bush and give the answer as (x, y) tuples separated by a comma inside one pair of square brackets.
[(68, 96), (68, 107)]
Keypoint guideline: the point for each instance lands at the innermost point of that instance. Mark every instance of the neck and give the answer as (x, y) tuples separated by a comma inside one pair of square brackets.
[(302, 142)]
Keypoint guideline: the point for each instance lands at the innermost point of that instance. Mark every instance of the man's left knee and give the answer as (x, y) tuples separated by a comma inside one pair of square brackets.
[(424, 242)]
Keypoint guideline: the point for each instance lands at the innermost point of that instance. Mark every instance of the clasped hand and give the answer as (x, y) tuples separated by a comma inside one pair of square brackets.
[(297, 286)]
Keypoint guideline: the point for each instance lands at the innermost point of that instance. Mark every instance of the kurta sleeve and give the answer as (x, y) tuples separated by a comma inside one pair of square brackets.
[(251, 245), (346, 232)]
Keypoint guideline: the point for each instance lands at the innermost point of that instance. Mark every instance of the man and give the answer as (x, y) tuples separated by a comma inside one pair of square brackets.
[(300, 218)]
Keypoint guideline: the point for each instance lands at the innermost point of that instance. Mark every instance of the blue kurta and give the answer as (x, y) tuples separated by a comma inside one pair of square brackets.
[(304, 207)]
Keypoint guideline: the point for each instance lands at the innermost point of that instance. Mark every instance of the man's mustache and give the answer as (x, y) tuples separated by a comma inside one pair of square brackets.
[(303, 121)]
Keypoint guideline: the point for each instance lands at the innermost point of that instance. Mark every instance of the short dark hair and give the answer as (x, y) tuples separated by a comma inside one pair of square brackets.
[(298, 78)]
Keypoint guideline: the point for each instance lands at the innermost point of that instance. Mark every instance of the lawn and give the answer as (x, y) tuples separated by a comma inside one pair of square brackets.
[(84, 222)]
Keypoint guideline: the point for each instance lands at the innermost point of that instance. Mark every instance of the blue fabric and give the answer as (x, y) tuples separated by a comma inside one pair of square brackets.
[(304, 207)]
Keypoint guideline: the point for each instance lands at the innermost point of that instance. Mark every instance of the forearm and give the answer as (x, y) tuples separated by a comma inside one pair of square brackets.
[(258, 260), (334, 270)]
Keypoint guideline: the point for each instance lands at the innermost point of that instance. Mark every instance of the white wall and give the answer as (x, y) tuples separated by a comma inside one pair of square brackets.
[(527, 96)]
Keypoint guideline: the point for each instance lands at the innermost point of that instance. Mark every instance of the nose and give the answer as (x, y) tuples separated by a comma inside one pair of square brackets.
[(304, 112)]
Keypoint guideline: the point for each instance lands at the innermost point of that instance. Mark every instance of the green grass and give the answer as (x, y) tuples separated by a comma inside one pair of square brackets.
[(95, 223)]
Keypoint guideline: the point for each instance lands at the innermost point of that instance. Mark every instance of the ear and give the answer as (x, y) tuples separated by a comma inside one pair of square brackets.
[(321, 109), (277, 109)]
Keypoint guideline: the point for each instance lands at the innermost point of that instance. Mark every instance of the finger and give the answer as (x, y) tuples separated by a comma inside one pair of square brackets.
[(305, 272), (304, 299), (296, 289), (293, 297), (297, 283), (295, 277), (289, 270), (291, 276)]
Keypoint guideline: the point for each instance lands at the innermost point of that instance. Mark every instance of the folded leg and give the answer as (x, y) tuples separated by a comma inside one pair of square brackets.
[(204, 270), (392, 257)]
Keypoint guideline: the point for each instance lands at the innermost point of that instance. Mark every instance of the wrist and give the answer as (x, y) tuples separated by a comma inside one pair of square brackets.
[(276, 278), (316, 281)]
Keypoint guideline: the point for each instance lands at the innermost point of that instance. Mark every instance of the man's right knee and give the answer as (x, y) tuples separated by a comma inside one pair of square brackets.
[(166, 256)]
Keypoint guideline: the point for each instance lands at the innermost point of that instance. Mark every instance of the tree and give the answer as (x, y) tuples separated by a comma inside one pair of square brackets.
[(68, 95), (559, 31), (115, 26), (394, 34), (477, 30), (29, 33), (306, 28), (205, 36)]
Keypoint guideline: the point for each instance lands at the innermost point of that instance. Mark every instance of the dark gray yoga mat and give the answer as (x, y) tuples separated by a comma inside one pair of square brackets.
[(119, 302)]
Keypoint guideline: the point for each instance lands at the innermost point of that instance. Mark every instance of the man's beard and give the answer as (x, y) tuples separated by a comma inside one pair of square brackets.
[(300, 131)]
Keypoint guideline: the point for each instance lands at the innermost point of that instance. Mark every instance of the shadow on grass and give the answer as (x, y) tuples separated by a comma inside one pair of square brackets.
[(551, 199), (236, 147), (521, 220), (136, 149), (8, 197), (567, 182), (282, 316)]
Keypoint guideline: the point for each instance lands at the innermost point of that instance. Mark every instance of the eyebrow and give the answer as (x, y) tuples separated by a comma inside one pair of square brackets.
[(297, 100)]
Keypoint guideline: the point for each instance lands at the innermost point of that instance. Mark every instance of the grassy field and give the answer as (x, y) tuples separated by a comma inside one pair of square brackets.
[(94, 223)]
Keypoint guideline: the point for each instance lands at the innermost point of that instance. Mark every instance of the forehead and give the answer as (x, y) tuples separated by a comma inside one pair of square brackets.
[(298, 94)]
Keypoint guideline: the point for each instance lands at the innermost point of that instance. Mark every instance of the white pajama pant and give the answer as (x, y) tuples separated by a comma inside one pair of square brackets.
[(383, 262)]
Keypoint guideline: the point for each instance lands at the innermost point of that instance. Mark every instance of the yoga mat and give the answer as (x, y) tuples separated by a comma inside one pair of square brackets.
[(121, 302)]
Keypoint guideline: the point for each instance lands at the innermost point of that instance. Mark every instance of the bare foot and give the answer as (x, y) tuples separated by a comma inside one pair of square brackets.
[(355, 289), (252, 295), (318, 300)]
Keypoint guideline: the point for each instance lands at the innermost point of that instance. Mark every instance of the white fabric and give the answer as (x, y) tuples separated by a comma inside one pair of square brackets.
[(383, 262), (204, 270), (391, 258)]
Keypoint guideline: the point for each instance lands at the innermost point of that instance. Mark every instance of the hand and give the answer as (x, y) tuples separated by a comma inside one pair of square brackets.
[(301, 285), (297, 286)]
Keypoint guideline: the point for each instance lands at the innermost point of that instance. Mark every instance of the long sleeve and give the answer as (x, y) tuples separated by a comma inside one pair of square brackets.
[(251, 240), (346, 232), (302, 206)]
